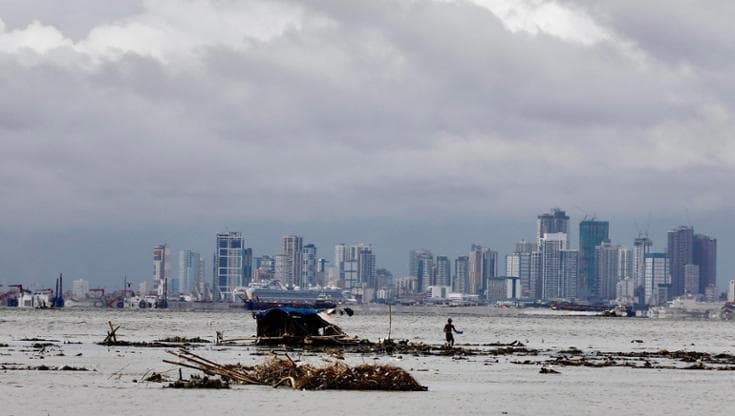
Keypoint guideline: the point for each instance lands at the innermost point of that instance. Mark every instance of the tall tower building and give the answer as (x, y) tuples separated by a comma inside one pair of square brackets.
[(160, 270), (518, 265), (461, 274), (443, 271), (475, 270), (228, 263), (680, 252), (309, 269), (292, 246), (190, 269), (591, 234), (421, 265), (553, 222), (641, 248), (657, 283), (552, 283), (607, 262), (705, 256), (569, 273)]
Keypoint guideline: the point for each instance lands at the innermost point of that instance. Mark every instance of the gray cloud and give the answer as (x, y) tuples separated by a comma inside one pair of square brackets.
[(169, 112)]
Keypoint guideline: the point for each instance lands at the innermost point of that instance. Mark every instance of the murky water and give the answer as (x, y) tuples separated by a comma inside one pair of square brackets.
[(478, 385)]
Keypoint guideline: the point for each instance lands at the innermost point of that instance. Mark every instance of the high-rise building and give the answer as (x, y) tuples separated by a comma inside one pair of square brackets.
[(657, 283), (705, 256), (281, 268), (421, 265), (680, 252), (227, 268), (489, 267), (367, 276), (641, 247), (309, 269), (442, 272), (292, 246), (553, 222), (190, 270), (518, 264), (607, 263), (160, 270), (591, 234), (691, 279), (569, 273), (552, 281), (475, 270), (461, 274)]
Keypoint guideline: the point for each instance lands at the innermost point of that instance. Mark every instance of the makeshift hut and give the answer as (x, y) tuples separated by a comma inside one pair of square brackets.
[(295, 322)]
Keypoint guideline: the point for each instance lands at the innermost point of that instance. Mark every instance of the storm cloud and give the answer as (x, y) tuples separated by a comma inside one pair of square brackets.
[(207, 111)]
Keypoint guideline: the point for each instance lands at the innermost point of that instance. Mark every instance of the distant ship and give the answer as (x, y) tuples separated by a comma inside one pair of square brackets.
[(275, 295)]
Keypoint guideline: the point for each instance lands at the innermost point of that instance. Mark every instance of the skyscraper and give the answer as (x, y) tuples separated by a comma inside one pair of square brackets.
[(591, 234), (680, 252), (607, 263), (227, 266), (475, 270), (309, 269), (641, 247), (292, 246), (160, 270), (190, 270), (443, 271), (657, 281), (705, 256), (421, 265), (461, 274), (553, 222), (552, 283)]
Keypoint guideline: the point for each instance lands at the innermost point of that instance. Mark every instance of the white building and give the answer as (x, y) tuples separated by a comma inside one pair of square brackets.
[(79, 288), (657, 279), (191, 270)]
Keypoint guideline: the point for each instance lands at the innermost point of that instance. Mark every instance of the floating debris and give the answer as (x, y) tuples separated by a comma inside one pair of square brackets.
[(184, 340), (195, 382), (282, 370)]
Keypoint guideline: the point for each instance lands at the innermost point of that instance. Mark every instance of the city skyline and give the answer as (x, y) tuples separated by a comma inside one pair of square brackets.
[(407, 124)]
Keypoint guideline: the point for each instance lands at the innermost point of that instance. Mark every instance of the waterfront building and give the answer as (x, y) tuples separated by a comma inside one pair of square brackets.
[(265, 262), (309, 269), (322, 268), (191, 270), (160, 270), (552, 283), (367, 277), (442, 272), (591, 234), (461, 274), (489, 267), (292, 246), (79, 289), (607, 263), (569, 273), (731, 291), (556, 221), (519, 265), (641, 247), (421, 265), (657, 279), (625, 291), (497, 289), (680, 251), (704, 255), (281, 266), (227, 265), (355, 266), (691, 280)]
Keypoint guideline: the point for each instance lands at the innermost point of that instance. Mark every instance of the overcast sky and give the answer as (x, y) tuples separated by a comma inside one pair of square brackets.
[(408, 123)]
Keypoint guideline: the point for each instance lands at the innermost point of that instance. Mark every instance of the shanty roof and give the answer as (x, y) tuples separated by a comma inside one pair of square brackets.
[(284, 320)]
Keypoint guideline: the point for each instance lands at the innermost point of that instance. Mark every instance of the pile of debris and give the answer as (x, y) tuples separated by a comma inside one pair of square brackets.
[(282, 370)]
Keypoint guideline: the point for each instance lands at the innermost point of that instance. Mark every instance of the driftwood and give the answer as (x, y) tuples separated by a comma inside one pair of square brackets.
[(281, 370)]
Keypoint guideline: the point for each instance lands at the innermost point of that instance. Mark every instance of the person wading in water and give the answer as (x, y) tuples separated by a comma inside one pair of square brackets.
[(448, 328)]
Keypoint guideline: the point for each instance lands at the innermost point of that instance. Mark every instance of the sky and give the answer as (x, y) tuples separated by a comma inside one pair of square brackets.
[(401, 123)]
